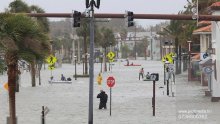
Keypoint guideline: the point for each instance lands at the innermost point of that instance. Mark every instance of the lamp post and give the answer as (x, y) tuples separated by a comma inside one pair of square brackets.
[(75, 68), (189, 67), (83, 58), (189, 51), (87, 55), (101, 57), (91, 4), (151, 46)]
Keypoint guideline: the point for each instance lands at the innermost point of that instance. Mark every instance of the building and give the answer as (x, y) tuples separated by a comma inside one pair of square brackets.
[(204, 32)]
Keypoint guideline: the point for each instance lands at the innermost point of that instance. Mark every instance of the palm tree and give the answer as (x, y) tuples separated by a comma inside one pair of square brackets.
[(2, 66), (20, 37), (143, 47), (108, 40), (20, 6), (83, 31), (173, 31), (43, 21)]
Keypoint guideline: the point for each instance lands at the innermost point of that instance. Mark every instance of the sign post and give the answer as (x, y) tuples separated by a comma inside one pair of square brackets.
[(153, 97), (111, 83), (44, 112), (110, 56), (153, 77), (51, 60)]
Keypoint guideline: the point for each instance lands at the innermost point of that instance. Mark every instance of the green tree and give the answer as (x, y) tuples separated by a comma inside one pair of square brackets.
[(83, 31), (20, 37), (18, 6), (125, 51), (107, 40), (43, 22), (2, 66), (142, 46)]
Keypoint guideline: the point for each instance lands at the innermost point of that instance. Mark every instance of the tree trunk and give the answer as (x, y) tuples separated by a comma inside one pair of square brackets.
[(17, 80), (12, 71), (33, 71), (85, 51)]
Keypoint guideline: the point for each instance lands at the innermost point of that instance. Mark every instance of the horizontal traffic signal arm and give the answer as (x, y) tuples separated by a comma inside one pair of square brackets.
[(136, 16)]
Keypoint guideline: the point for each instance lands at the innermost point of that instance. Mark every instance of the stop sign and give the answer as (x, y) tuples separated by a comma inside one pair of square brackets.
[(111, 81)]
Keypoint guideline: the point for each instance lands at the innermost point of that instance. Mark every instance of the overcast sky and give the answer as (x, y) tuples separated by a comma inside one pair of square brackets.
[(110, 6)]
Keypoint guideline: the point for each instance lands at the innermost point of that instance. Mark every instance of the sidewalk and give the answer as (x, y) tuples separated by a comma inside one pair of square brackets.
[(192, 106)]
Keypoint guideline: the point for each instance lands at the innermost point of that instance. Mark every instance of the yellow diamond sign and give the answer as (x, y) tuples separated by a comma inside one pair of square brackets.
[(51, 59), (111, 55), (168, 57)]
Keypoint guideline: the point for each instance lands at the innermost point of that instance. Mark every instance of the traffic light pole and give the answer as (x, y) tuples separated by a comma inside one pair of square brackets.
[(91, 68), (91, 64)]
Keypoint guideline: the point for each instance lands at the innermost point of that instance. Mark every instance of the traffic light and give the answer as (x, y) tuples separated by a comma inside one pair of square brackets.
[(97, 4), (76, 19), (87, 4), (130, 16)]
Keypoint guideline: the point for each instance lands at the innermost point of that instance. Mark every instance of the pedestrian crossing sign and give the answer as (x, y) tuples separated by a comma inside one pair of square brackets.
[(110, 55), (168, 57), (51, 59)]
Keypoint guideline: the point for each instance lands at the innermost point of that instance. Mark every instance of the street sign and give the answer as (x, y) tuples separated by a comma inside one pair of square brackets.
[(111, 81), (171, 68), (154, 77), (51, 59), (203, 56), (168, 57), (51, 67), (111, 60), (46, 110), (208, 70), (111, 55)]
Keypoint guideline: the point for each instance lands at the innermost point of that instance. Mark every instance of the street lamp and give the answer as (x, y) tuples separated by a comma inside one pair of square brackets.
[(75, 68), (101, 57), (189, 67), (83, 59), (91, 4), (189, 50), (88, 57)]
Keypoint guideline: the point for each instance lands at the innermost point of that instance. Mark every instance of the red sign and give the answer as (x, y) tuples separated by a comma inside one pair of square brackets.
[(111, 81)]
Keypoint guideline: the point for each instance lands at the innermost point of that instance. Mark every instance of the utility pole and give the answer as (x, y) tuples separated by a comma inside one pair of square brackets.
[(91, 65), (135, 48), (91, 4), (151, 44)]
